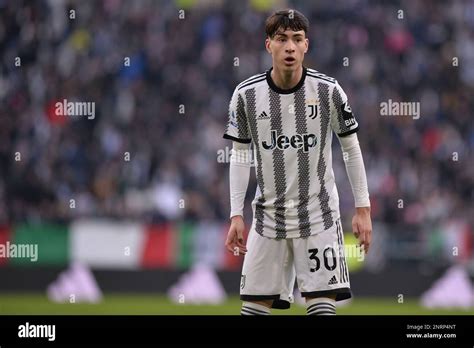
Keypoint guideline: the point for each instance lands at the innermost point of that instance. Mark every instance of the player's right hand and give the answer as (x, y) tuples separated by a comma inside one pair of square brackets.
[(235, 237)]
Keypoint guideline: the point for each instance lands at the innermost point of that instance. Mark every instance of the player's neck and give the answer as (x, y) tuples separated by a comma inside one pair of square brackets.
[(286, 79)]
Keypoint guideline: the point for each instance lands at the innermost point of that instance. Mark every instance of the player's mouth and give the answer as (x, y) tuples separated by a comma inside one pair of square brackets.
[(290, 60)]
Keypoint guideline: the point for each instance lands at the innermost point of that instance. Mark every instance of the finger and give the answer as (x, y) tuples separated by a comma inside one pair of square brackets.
[(242, 250), (228, 241), (231, 242), (230, 247), (240, 240), (355, 230), (369, 235), (240, 237), (360, 235), (240, 244), (237, 251), (230, 238), (366, 241), (235, 246), (366, 247)]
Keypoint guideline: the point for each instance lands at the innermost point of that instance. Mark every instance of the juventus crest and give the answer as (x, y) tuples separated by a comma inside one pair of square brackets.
[(313, 108)]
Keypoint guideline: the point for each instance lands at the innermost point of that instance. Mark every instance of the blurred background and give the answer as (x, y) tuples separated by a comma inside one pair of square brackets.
[(134, 202)]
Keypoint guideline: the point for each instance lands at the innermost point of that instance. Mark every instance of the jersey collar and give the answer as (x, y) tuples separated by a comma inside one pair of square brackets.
[(285, 91)]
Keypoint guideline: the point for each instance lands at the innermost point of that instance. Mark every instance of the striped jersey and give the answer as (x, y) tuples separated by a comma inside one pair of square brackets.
[(291, 132)]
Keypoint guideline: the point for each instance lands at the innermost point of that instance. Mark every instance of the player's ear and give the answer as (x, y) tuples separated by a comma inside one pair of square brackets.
[(306, 44), (267, 45)]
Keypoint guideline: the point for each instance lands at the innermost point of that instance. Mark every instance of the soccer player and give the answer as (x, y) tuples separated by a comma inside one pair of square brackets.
[(289, 113)]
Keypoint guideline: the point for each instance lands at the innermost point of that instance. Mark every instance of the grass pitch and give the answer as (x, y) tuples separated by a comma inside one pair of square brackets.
[(139, 304)]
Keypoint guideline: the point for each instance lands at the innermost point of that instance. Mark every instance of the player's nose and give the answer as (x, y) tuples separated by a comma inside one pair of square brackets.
[(290, 46)]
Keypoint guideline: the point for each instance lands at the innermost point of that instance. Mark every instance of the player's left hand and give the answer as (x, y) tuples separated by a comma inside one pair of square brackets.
[(235, 237), (362, 227)]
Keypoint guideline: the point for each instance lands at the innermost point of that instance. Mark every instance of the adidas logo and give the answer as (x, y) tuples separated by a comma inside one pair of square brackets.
[(333, 280), (263, 116)]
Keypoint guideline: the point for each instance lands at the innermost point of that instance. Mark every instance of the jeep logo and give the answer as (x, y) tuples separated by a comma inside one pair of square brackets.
[(297, 141)]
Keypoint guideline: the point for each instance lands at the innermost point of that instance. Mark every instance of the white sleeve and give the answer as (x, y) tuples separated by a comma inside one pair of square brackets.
[(239, 174), (355, 169)]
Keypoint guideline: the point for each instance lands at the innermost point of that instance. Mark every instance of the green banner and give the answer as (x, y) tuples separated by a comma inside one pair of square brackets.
[(33, 245), (185, 245)]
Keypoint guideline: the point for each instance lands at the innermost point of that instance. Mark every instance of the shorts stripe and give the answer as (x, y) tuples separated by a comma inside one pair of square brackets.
[(341, 271), (342, 263)]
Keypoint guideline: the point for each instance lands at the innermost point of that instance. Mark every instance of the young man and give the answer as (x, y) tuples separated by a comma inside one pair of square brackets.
[(289, 113)]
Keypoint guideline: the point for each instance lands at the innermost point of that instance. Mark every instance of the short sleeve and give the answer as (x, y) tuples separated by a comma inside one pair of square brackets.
[(343, 121), (237, 128)]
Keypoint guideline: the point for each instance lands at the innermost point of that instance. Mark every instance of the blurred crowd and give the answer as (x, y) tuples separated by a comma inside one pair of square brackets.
[(161, 74)]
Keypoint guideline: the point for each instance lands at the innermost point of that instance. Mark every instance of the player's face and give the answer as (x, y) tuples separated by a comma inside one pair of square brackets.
[(287, 49)]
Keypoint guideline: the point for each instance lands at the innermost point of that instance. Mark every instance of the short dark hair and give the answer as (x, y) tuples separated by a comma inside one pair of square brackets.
[(285, 19)]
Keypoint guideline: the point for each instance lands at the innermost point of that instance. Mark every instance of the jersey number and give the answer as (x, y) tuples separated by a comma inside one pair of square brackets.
[(329, 257)]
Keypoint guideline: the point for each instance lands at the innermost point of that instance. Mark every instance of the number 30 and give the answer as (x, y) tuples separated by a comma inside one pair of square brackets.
[(313, 256)]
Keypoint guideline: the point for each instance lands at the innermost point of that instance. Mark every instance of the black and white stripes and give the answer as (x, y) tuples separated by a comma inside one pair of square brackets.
[(252, 117), (250, 308), (321, 306), (252, 80), (343, 273), (303, 165), (323, 195), (279, 173), (242, 119), (291, 133), (337, 100)]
